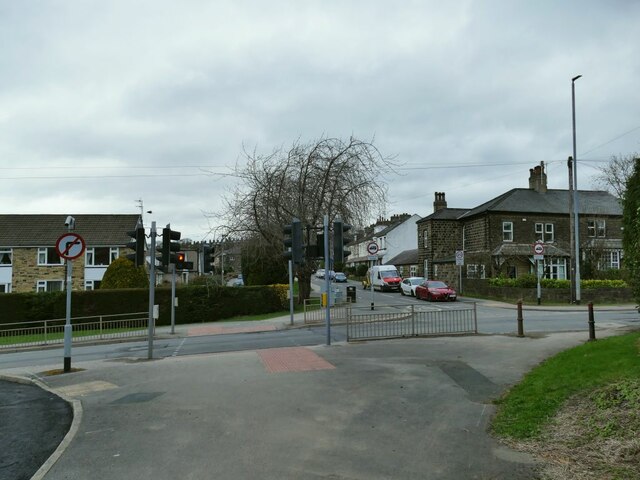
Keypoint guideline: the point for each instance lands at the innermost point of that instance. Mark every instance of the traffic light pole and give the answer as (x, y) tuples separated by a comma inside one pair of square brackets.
[(152, 286), (291, 290), (173, 298), (327, 280)]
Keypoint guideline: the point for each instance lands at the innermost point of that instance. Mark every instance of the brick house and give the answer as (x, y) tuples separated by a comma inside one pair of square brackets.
[(497, 237), (29, 261)]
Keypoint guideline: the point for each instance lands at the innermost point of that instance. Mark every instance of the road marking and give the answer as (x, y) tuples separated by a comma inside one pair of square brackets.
[(175, 352), (292, 359)]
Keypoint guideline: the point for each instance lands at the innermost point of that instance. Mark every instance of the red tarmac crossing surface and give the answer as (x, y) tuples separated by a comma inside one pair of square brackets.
[(218, 330), (292, 359)]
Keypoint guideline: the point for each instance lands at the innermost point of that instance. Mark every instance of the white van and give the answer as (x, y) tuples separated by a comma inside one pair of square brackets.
[(383, 277)]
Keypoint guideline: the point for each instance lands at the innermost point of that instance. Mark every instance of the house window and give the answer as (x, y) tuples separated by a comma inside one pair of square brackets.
[(48, 256), (413, 270), (475, 271), (100, 256), (425, 274), (91, 284), (507, 231), (425, 238), (544, 232), (555, 267), (49, 286), (5, 257), (464, 237), (5, 288), (596, 228), (610, 260)]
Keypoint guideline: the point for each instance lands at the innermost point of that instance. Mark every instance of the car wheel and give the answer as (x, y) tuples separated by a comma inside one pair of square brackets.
[(402, 292), (429, 299), (413, 293)]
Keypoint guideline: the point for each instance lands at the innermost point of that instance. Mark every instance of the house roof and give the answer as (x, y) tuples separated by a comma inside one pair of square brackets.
[(445, 214), (526, 250), (525, 200), (381, 233), (408, 257), (44, 230)]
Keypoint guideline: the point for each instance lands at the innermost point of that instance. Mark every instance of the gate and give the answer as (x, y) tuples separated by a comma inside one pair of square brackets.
[(412, 321)]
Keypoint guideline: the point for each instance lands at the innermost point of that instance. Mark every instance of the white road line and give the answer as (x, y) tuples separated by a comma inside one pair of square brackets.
[(175, 352)]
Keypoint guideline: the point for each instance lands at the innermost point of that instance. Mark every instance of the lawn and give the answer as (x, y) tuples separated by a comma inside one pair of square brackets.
[(579, 412)]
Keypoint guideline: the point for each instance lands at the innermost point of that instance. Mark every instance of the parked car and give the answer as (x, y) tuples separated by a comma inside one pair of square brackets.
[(340, 277), (384, 277), (320, 273), (435, 290), (409, 284)]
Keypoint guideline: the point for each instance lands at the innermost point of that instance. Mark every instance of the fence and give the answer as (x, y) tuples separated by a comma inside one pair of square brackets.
[(314, 312), (411, 321), (51, 332)]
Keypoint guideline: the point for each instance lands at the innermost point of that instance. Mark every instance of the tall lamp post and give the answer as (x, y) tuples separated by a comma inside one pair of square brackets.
[(576, 230)]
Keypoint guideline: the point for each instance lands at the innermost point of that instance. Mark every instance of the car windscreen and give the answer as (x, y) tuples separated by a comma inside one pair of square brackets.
[(389, 273), (437, 285), (417, 281)]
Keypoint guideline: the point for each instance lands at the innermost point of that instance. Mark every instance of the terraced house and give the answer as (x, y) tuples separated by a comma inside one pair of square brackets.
[(29, 261), (497, 237)]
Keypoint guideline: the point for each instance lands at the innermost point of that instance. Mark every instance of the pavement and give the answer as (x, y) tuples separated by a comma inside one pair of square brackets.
[(402, 409)]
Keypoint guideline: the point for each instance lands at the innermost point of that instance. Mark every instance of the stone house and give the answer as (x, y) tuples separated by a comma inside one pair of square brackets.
[(497, 237), (29, 261)]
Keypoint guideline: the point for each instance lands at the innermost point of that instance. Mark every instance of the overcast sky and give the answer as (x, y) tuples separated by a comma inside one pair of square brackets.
[(103, 103)]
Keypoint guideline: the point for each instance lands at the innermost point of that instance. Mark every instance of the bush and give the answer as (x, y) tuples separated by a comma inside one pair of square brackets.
[(122, 273)]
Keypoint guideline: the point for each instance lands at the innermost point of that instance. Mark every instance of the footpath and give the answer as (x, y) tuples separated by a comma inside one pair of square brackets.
[(402, 409)]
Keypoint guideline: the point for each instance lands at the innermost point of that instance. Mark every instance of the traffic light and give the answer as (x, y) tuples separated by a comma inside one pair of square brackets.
[(208, 252), (170, 245), (137, 245), (180, 261), (340, 239), (294, 247)]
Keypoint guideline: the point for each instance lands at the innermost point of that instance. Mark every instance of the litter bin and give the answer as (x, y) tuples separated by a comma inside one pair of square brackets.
[(351, 294)]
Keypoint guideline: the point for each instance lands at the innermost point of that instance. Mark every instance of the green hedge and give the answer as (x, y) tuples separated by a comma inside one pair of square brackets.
[(195, 303)]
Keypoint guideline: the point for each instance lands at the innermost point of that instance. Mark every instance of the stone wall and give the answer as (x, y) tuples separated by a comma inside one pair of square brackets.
[(481, 288), (27, 272)]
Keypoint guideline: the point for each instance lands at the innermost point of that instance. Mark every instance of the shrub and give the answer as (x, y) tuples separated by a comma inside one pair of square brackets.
[(122, 273)]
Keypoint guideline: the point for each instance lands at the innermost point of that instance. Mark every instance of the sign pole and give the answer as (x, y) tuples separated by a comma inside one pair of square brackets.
[(67, 324), (69, 246), (172, 266)]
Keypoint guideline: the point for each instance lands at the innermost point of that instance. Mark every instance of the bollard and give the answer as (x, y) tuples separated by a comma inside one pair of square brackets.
[(520, 326), (592, 323)]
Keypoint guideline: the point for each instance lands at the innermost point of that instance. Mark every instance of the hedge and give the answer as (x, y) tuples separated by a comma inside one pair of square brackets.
[(530, 281), (195, 303)]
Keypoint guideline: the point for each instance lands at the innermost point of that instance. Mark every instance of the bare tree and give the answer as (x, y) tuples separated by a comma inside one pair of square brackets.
[(614, 175), (329, 176)]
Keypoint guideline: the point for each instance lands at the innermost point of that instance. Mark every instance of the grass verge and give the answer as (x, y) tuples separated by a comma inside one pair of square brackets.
[(579, 411)]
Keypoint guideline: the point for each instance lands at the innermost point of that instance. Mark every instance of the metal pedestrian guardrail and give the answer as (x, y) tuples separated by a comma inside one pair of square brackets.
[(315, 312), (85, 329), (410, 321)]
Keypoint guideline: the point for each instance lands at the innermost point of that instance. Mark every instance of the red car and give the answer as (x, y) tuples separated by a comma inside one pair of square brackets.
[(435, 290)]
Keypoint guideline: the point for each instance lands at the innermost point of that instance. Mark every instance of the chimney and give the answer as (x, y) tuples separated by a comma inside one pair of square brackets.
[(439, 203), (538, 179)]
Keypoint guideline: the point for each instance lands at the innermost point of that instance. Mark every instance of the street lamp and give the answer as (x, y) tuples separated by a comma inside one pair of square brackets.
[(576, 231)]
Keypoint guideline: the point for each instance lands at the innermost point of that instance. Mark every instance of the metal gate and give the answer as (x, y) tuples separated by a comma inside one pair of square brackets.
[(411, 321)]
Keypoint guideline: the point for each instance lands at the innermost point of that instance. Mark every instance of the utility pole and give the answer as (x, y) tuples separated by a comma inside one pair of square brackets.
[(576, 221)]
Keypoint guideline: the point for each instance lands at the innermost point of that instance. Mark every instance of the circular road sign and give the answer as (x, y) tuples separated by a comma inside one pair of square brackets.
[(372, 248), (538, 248), (70, 246)]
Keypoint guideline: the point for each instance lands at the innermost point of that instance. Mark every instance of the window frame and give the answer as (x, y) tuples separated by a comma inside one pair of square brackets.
[(507, 233), (43, 257), (42, 286), (8, 252), (596, 228)]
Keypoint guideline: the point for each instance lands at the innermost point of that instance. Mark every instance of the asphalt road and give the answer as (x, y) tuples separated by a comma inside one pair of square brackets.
[(406, 409)]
